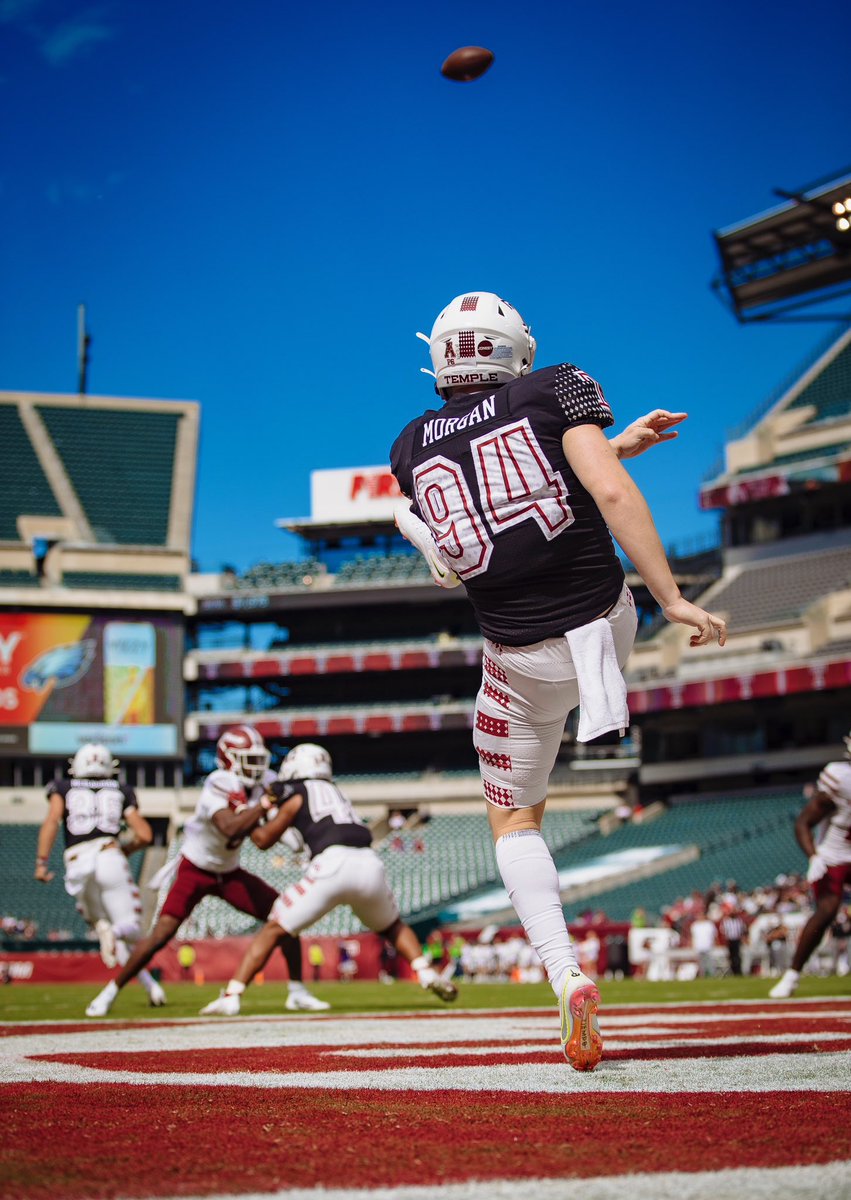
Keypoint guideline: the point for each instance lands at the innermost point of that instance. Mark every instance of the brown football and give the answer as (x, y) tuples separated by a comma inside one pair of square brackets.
[(467, 63)]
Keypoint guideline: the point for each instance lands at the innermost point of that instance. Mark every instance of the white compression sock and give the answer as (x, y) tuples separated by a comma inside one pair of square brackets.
[(531, 879)]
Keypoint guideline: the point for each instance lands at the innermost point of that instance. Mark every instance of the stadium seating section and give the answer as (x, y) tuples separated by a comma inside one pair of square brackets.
[(268, 575), (25, 898), (394, 568), (17, 579), (747, 837), (101, 580), (830, 391), (743, 837), (780, 590), (25, 488), (127, 502)]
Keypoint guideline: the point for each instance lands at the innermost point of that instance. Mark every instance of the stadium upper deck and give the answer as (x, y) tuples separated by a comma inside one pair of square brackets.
[(95, 525)]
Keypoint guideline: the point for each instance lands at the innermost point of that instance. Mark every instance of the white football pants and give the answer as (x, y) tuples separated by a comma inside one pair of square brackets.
[(97, 875), (526, 695), (339, 875)]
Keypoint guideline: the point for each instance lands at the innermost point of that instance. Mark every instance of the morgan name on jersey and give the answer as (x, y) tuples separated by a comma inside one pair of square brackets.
[(489, 476)]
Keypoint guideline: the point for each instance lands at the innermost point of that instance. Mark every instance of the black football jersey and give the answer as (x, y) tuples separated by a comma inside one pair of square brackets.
[(326, 818), (94, 808), (488, 475)]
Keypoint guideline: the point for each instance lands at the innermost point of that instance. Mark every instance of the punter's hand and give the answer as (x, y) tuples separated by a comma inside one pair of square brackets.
[(42, 873), (647, 431), (708, 625)]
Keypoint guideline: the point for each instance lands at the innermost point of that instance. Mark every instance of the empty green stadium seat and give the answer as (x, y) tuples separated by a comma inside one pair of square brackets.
[(120, 464), (25, 487)]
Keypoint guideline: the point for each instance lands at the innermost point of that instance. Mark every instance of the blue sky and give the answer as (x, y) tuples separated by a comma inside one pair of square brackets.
[(261, 203)]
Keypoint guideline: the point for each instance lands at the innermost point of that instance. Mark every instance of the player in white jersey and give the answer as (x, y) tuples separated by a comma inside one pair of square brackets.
[(91, 807), (312, 815), (829, 867), (231, 806)]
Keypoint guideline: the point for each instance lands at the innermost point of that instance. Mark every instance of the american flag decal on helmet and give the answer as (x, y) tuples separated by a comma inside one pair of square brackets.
[(469, 303), (467, 343)]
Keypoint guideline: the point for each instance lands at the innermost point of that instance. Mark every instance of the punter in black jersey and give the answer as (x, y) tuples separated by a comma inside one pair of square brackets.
[(515, 491), (91, 807), (313, 816)]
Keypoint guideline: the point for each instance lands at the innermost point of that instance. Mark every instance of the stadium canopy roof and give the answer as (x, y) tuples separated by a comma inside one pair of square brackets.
[(793, 256)]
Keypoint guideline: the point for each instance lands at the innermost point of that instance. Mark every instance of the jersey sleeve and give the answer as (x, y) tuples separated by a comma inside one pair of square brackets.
[(57, 787), (578, 398), (400, 461), (220, 790), (835, 782), (130, 800)]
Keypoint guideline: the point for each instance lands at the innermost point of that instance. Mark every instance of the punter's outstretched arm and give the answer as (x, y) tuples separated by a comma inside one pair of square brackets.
[(651, 429), (625, 511)]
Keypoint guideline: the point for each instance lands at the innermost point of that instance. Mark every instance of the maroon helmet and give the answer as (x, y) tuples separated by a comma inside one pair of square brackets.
[(243, 751)]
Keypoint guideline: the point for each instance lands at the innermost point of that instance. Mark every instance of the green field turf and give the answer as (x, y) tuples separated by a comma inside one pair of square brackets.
[(67, 1001)]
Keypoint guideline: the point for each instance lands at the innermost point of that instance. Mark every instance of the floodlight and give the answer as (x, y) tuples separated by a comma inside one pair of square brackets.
[(795, 255)]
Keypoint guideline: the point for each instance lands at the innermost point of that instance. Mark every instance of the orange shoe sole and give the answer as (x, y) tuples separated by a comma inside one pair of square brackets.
[(580, 1030)]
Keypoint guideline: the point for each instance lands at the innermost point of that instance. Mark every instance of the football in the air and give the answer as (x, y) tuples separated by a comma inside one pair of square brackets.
[(467, 63)]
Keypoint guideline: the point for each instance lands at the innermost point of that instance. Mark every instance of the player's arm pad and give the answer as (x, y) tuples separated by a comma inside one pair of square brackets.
[(419, 535)]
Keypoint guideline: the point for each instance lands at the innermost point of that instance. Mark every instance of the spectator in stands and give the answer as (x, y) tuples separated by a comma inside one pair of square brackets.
[(704, 936), (777, 941), (734, 931), (311, 814), (90, 808), (316, 958), (829, 866), (515, 490), (588, 953), (231, 806)]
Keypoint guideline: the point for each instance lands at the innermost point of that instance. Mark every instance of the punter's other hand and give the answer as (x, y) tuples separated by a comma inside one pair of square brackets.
[(649, 430), (709, 626)]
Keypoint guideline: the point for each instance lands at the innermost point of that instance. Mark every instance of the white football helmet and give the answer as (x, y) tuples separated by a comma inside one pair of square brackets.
[(93, 761), (479, 340), (243, 751), (306, 761)]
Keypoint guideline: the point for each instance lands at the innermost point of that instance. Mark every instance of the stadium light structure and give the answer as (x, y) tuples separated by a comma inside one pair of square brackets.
[(796, 255)]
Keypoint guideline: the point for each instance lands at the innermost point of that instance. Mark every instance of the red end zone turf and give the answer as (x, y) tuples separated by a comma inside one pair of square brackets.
[(89, 1142)]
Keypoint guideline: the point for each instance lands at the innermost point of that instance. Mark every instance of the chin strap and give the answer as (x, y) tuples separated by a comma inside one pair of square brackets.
[(424, 370)]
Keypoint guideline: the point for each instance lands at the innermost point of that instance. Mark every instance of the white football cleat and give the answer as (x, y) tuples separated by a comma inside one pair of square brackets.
[(226, 1005), (102, 1002), (106, 937), (304, 1002), (157, 996), (786, 986), (443, 988)]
